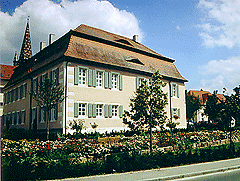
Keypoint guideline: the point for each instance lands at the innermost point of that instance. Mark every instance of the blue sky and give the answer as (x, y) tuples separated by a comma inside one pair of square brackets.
[(201, 35)]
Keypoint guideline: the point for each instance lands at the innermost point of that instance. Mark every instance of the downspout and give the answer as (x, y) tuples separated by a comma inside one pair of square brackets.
[(65, 115), (170, 100), (30, 112)]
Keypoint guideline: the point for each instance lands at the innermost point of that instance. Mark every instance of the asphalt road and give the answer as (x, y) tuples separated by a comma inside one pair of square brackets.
[(232, 175)]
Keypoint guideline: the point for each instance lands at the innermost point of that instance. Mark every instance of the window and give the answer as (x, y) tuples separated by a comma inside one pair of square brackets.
[(54, 76), (21, 92), (1, 91), (114, 81), (12, 95), (176, 113), (82, 109), (175, 90), (3, 120), (34, 115), (54, 113), (99, 111), (23, 116), (42, 115), (24, 90), (16, 93), (15, 118), (19, 118), (114, 110), (34, 85), (44, 77), (82, 76), (99, 79)]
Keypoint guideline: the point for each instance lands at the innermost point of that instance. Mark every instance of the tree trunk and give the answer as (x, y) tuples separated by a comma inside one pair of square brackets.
[(48, 123), (151, 139)]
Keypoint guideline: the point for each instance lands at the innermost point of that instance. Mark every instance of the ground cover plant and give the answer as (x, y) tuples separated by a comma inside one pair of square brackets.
[(66, 157)]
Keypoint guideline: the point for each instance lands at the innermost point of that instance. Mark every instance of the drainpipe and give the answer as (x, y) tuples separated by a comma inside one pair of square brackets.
[(65, 111), (170, 100), (30, 110)]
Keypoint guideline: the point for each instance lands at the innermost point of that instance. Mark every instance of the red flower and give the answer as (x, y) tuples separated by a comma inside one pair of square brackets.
[(30, 152), (59, 139), (158, 132), (48, 148)]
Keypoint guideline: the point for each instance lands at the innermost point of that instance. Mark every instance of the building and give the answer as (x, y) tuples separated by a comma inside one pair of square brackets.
[(203, 96), (99, 71), (6, 72)]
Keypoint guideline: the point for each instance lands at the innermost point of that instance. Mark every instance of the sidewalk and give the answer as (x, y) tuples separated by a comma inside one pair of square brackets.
[(167, 173)]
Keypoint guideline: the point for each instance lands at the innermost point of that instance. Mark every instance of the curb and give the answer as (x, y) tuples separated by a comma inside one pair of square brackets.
[(194, 174)]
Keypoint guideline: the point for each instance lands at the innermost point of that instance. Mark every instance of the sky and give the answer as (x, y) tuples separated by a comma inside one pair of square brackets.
[(203, 36)]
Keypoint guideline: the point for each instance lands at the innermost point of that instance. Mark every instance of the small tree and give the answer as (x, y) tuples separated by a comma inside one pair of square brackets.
[(77, 125), (212, 108), (147, 107), (47, 95), (192, 105)]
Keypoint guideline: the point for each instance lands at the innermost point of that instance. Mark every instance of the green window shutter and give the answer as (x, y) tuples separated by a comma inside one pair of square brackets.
[(90, 77), (76, 110), (171, 112), (106, 110), (94, 78), (120, 82), (110, 80), (120, 111), (110, 111), (171, 91), (137, 82), (147, 82), (179, 113), (94, 110), (177, 90), (106, 80), (90, 110), (76, 75)]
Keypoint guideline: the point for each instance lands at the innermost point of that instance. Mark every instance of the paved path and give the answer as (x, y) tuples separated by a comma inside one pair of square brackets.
[(169, 173)]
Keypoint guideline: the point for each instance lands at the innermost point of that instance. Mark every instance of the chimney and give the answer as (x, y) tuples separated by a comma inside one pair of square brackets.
[(51, 38), (135, 38), (42, 45)]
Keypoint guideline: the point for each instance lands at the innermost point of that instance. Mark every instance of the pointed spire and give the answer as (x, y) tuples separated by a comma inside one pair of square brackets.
[(15, 59), (26, 50)]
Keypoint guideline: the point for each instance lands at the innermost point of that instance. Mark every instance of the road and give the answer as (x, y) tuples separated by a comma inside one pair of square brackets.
[(232, 175)]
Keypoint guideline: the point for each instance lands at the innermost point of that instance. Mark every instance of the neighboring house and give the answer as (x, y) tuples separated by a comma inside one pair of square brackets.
[(6, 72), (99, 72), (203, 95)]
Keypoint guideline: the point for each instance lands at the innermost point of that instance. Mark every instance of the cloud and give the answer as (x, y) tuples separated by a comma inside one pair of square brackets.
[(217, 74), (48, 17), (221, 24)]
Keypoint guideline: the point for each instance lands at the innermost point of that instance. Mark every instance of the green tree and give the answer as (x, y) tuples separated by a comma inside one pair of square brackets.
[(147, 107), (192, 105), (212, 108), (47, 95)]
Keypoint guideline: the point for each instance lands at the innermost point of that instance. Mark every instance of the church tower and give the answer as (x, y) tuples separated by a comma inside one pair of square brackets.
[(26, 50)]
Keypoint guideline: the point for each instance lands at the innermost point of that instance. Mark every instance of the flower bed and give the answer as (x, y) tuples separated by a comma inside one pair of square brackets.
[(50, 154)]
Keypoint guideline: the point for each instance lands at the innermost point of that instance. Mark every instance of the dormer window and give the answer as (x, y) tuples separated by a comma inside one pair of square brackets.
[(124, 41)]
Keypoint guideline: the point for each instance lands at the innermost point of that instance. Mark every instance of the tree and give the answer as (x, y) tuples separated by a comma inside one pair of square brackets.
[(47, 95), (147, 107), (212, 108), (192, 105)]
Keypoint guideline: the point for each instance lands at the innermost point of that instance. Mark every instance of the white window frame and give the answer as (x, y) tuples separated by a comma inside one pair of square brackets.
[(175, 111), (174, 90), (34, 108), (80, 111), (115, 111), (99, 80), (52, 114), (18, 116), (99, 110), (115, 81), (81, 77)]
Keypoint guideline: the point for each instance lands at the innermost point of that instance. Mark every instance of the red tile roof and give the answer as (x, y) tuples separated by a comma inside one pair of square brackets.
[(202, 95), (6, 71)]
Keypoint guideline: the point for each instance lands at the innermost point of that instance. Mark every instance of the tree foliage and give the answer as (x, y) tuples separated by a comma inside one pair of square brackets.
[(47, 95), (212, 108), (192, 105), (147, 107)]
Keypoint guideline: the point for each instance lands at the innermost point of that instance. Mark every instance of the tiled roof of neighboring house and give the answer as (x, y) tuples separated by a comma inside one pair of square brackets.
[(92, 45), (202, 95), (6, 71), (221, 98)]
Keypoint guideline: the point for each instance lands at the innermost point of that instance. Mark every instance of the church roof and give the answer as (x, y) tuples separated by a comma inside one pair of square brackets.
[(6, 71), (26, 50)]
